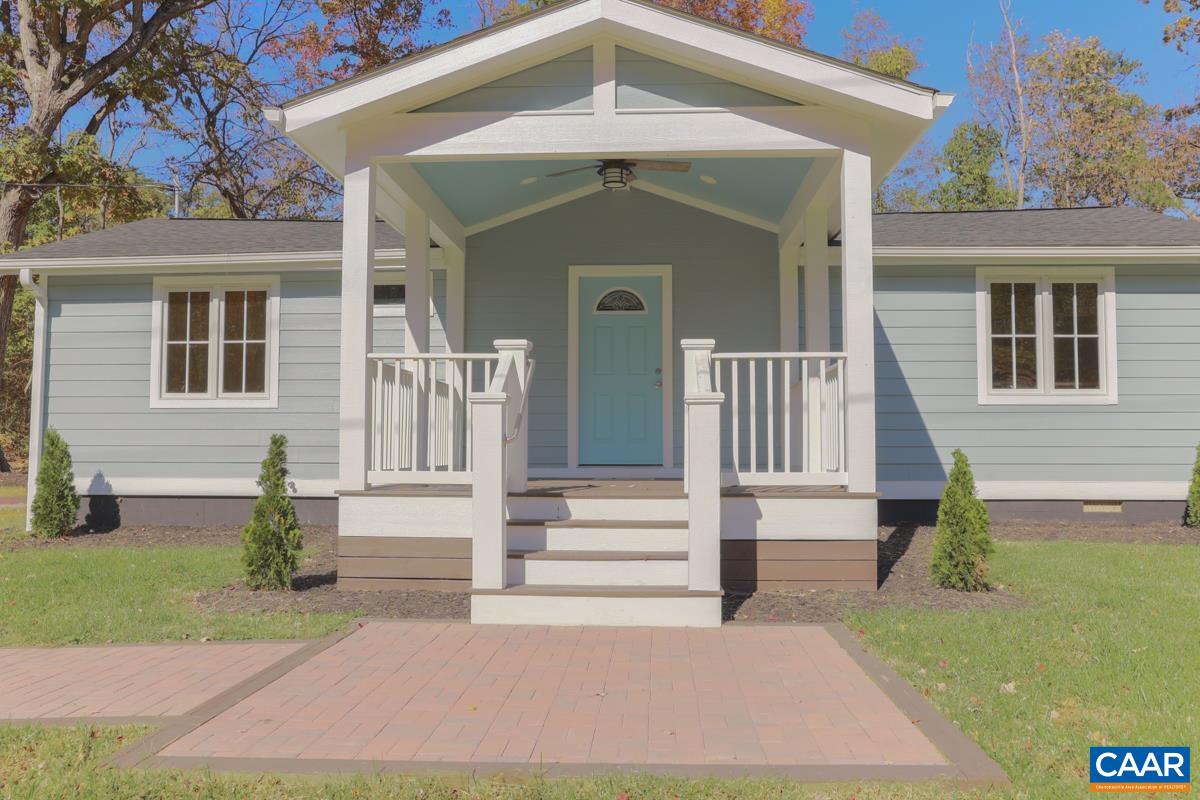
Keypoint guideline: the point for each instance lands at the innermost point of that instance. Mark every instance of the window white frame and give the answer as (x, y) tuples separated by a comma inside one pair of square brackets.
[(213, 397), (1044, 278), (390, 279)]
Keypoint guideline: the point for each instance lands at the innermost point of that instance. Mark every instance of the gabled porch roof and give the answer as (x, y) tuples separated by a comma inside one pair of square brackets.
[(774, 114)]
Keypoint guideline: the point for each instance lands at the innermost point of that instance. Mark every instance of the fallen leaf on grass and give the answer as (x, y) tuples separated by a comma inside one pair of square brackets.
[(1009, 688)]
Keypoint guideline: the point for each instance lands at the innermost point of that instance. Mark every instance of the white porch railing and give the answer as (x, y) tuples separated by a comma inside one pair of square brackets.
[(500, 441), (420, 417), (786, 417)]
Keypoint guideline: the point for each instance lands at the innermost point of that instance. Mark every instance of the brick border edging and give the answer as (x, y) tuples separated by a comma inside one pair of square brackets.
[(972, 765), (144, 752)]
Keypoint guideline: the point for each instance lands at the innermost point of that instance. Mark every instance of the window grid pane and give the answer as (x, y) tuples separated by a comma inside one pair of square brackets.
[(1076, 336), (245, 342), (186, 368), (1014, 336)]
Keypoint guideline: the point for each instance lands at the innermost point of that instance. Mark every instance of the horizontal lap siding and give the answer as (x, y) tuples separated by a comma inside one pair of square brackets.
[(98, 384), (926, 386), (725, 278)]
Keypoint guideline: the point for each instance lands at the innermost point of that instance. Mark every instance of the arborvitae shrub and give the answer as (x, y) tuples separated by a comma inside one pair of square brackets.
[(55, 504), (272, 540), (963, 541), (1192, 518)]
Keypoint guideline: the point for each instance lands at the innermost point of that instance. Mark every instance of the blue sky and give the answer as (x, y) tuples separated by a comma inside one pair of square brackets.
[(945, 27)]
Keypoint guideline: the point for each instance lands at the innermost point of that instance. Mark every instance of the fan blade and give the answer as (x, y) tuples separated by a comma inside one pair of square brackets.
[(571, 171), (662, 166)]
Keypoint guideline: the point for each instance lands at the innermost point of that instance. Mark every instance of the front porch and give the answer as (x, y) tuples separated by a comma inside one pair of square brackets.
[(632, 209), (571, 461)]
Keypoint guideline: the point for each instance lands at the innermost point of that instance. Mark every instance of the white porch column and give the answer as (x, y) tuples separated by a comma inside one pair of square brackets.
[(858, 319), (416, 319), (37, 380), (489, 537), (456, 300), (703, 419), (358, 287), (789, 339), (517, 451), (816, 323)]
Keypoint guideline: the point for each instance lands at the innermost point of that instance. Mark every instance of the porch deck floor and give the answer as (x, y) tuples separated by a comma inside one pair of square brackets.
[(610, 489)]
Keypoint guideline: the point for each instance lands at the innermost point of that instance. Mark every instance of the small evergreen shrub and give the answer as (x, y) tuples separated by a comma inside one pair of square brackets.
[(963, 542), (1192, 517), (55, 504), (272, 540)]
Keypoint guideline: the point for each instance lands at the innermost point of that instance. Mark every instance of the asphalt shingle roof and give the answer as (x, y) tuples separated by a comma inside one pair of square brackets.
[(201, 237), (1039, 227), (1101, 227)]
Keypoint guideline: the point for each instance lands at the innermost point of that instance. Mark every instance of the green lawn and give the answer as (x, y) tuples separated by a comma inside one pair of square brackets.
[(12, 491), (1106, 651), (88, 595), (12, 522)]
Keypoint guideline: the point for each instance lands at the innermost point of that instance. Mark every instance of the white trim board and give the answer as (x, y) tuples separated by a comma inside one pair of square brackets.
[(276, 262), (201, 487), (1043, 490), (575, 272)]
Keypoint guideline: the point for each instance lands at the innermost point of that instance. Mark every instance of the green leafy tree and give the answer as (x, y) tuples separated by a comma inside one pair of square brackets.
[(963, 540), (272, 540), (1192, 517), (14, 392), (969, 160), (55, 504), (870, 42)]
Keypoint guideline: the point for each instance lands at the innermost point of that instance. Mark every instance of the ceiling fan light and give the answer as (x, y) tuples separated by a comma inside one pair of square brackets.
[(614, 176)]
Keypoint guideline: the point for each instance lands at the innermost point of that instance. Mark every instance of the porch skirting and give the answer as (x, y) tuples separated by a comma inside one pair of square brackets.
[(440, 563)]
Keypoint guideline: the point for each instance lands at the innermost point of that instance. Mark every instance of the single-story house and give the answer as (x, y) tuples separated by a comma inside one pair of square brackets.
[(662, 346)]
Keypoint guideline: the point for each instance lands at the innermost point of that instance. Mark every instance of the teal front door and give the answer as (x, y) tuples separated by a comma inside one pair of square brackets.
[(620, 370)]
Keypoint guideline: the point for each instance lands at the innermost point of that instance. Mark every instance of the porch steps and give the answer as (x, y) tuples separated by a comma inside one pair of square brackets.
[(597, 605), (597, 568), (598, 535)]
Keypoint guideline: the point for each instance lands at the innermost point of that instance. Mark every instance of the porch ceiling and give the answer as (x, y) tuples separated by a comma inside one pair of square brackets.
[(477, 192)]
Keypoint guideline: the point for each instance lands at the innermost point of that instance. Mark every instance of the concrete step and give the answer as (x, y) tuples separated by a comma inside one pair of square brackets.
[(597, 535), (597, 568), (655, 606)]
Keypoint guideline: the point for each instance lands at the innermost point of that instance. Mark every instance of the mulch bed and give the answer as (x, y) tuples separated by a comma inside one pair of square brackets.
[(904, 554)]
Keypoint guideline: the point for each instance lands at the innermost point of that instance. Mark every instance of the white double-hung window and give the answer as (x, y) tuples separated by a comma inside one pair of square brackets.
[(215, 342), (1046, 337)]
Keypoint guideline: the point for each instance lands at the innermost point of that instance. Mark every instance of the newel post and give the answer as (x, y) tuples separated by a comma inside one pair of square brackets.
[(489, 539), (703, 407), (517, 455)]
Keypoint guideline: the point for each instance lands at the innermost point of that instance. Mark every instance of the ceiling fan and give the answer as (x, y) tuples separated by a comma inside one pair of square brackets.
[(616, 173)]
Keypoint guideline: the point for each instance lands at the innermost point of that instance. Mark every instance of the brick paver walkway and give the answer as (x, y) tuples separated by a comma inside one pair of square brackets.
[(777, 695), (133, 681)]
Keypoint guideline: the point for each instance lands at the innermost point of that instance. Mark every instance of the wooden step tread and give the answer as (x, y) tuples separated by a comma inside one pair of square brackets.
[(599, 555), (526, 590), (647, 524)]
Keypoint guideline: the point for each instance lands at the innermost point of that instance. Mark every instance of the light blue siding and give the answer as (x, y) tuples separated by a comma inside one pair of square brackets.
[(561, 84), (645, 82), (927, 393), (98, 384), (725, 280)]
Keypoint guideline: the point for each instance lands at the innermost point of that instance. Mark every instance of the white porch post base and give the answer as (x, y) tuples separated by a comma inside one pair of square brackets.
[(703, 466), (517, 451), (489, 524)]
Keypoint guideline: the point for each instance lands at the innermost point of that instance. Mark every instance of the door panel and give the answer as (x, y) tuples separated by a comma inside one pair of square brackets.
[(620, 363)]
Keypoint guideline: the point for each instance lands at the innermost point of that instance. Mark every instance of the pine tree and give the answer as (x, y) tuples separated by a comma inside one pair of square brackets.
[(55, 504), (963, 542), (272, 540), (1192, 518)]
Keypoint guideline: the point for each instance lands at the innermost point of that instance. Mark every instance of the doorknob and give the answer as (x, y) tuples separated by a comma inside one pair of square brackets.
[(658, 370), (658, 384)]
